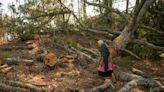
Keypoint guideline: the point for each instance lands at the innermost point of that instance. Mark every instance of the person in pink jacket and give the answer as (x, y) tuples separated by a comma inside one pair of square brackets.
[(105, 68)]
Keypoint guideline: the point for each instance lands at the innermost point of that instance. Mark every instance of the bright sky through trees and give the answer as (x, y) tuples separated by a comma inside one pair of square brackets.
[(120, 4)]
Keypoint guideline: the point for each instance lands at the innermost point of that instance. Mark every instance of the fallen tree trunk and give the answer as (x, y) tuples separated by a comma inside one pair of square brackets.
[(9, 48), (16, 61), (21, 85), (101, 88), (84, 54), (7, 88), (88, 50), (127, 76), (147, 83)]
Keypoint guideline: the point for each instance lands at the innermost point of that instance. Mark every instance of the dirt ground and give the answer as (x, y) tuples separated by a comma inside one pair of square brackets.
[(74, 77)]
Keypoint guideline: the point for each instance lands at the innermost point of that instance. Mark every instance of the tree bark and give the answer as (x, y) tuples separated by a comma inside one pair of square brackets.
[(138, 82), (123, 39), (7, 88), (101, 88), (127, 6)]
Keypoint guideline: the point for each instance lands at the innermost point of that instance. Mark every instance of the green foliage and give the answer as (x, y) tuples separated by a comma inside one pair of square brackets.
[(123, 61), (6, 54), (104, 20), (142, 51), (71, 42)]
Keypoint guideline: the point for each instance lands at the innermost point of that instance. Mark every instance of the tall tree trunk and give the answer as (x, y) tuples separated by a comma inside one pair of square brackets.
[(137, 3), (84, 10), (79, 9), (127, 5), (100, 7), (123, 39)]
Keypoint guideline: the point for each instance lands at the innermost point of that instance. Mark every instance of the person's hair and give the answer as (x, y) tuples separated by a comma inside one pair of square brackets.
[(100, 42)]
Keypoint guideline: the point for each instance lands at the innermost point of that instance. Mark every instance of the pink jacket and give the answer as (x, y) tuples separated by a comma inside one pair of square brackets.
[(101, 67)]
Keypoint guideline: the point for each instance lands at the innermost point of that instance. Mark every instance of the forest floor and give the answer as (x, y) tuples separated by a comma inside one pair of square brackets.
[(81, 76)]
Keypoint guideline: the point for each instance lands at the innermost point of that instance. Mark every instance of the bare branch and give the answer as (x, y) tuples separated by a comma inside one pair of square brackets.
[(131, 53), (152, 29), (147, 44), (108, 8), (51, 14)]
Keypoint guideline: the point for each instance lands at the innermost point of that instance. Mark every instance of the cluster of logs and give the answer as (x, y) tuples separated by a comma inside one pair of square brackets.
[(138, 79), (47, 56)]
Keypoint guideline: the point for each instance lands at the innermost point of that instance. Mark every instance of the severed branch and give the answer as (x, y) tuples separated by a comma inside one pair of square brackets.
[(147, 44)]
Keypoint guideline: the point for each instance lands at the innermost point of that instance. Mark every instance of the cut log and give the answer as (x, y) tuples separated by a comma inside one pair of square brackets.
[(3, 66), (102, 87), (7, 69), (141, 73), (33, 45), (21, 85), (50, 59), (16, 61), (157, 89), (9, 48), (34, 51), (147, 83), (7, 88)]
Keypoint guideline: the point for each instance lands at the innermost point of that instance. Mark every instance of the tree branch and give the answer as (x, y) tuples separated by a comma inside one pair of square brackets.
[(152, 29), (131, 53), (147, 44), (50, 14), (109, 9)]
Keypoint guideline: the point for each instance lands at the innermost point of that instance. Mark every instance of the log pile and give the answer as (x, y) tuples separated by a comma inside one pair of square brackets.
[(42, 54)]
